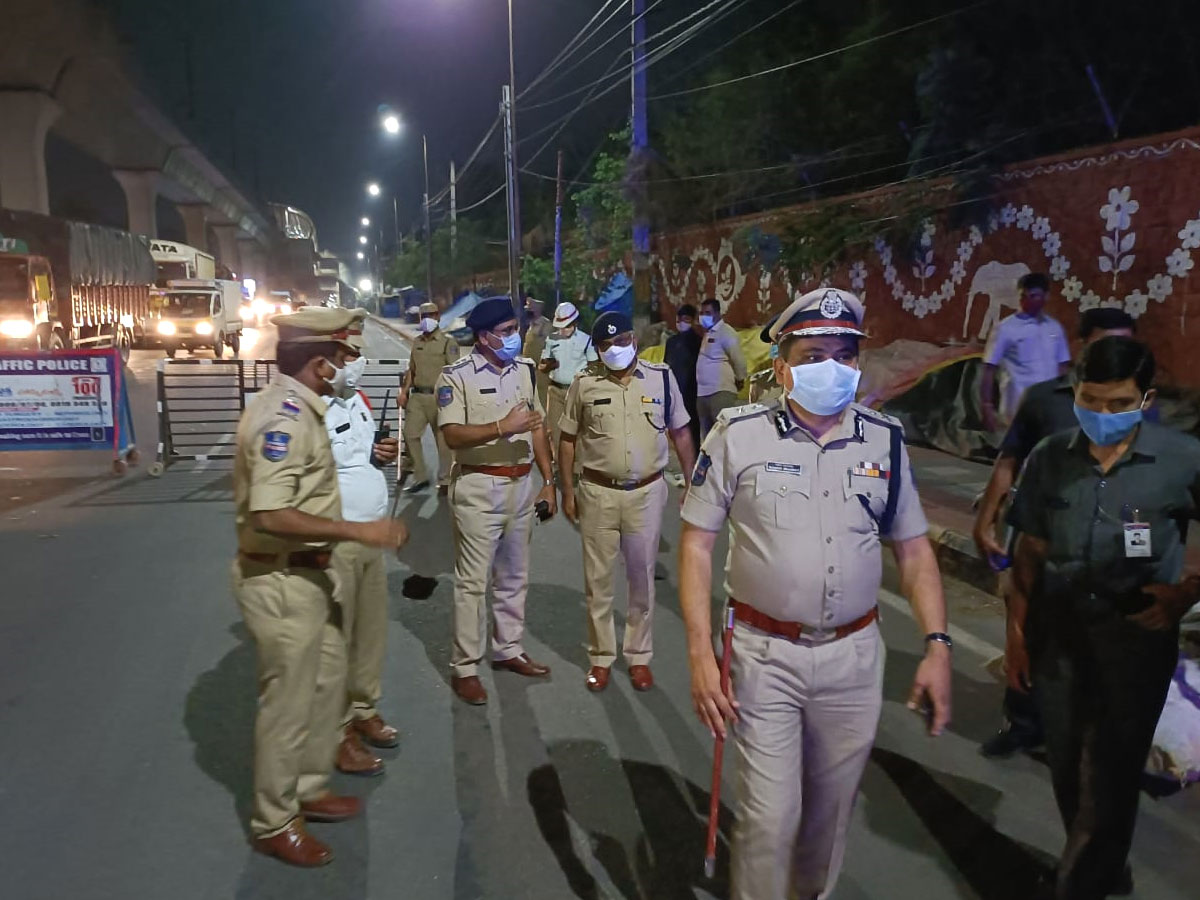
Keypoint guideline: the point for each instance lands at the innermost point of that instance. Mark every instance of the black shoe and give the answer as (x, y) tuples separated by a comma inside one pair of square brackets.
[(1007, 742), (416, 487)]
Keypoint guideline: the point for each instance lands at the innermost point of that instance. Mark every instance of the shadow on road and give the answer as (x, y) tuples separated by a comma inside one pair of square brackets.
[(994, 865)]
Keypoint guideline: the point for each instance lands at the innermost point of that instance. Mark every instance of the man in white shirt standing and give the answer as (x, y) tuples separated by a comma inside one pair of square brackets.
[(361, 588), (721, 368), (1029, 345), (567, 353)]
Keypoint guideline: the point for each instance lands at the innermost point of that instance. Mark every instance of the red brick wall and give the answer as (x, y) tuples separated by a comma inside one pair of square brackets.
[(1132, 207)]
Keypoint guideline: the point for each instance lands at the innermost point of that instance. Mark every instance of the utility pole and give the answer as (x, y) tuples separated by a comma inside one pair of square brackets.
[(396, 222), (558, 249), (639, 146), (428, 230), (453, 220), (514, 226), (514, 201)]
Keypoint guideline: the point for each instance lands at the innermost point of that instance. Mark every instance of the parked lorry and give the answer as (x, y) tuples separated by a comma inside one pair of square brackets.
[(196, 314), (68, 284)]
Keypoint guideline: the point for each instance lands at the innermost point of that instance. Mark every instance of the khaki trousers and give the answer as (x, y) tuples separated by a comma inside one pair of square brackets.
[(419, 414), (493, 522), (295, 623), (556, 405), (362, 594), (628, 522), (709, 407), (807, 721)]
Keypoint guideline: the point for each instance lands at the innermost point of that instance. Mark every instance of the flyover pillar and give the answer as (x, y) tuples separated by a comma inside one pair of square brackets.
[(227, 247), (25, 119), (253, 259), (141, 199), (195, 224)]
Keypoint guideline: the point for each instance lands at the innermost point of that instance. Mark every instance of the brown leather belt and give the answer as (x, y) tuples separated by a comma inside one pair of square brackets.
[(604, 481), (301, 559), (501, 471), (794, 630), (421, 390)]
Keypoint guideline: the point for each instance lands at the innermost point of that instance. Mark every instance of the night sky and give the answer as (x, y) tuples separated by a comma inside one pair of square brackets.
[(285, 93)]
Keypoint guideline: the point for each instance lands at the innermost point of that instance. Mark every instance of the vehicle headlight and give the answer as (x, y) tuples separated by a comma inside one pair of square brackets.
[(16, 328), (165, 327), (261, 307), (247, 313), (204, 328), (285, 308)]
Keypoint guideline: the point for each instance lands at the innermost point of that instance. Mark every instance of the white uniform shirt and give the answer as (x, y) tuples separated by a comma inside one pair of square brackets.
[(573, 355), (1029, 349), (351, 428)]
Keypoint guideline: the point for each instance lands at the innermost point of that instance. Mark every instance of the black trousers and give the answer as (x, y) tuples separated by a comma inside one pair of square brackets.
[(1100, 687)]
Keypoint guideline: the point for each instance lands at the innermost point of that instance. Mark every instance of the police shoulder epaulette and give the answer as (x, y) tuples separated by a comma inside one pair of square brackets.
[(524, 360), (737, 413), (874, 415), (457, 364), (653, 365)]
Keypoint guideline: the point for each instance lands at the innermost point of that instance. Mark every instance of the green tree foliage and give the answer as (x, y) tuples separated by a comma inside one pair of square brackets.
[(451, 271)]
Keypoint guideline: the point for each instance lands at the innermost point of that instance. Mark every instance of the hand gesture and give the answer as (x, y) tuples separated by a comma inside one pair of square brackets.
[(713, 706), (1171, 601), (548, 494), (931, 688), (386, 451), (985, 540), (570, 510), (520, 420), (387, 534)]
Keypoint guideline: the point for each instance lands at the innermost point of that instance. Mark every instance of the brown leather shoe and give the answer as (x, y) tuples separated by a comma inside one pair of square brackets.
[(470, 689), (294, 846), (597, 679), (522, 665), (354, 758), (642, 678), (377, 732), (331, 807)]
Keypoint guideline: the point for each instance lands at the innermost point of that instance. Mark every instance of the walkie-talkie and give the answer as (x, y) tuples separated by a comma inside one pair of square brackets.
[(384, 430)]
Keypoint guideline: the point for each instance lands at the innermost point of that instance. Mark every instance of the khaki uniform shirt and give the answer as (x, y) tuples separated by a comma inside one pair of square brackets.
[(474, 392), (283, 461), (535, 338), (622, 428), (803, 516), (430, 354), (721, 363)]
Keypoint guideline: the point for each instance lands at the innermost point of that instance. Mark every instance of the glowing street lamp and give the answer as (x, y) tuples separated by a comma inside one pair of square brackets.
[(361, 255), (364, 284), (362, 239), (366, 223), (373, 189), (391, 123)]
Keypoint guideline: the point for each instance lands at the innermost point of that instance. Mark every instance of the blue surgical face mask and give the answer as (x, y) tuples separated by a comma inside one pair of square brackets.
[(824, 388), (1106, 429), (510, 346), (707, 321), (773, 353)]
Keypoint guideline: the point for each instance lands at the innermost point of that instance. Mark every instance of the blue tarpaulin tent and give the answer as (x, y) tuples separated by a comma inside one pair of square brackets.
[(460, 307), (617, 295)]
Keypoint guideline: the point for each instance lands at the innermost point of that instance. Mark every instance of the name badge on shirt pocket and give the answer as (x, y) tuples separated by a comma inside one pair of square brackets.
[(342, 428), (487, 390), (604, 401), (789, 468), (1137, 540)]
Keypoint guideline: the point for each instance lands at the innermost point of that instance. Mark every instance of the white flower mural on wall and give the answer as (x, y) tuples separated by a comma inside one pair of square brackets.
[(858, 275), (1189, 236), (1117, 213), (1072, 289), (1041, 228), (1179, 263)]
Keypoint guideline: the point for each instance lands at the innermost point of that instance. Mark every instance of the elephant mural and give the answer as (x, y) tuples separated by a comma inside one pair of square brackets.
[(999, 282)]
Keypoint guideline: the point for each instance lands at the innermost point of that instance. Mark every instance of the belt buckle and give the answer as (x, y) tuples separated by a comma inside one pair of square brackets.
[(626, 485)]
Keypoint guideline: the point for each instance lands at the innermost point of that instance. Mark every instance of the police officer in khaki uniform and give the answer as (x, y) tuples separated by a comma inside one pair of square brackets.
[(288, 514), (617, 423), (809, 486), (432, 351), (537, 330), (489, 413)]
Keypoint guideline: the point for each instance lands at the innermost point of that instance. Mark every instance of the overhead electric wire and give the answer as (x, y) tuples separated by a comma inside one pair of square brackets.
[(573, 44), (463, 209), (838, 50)]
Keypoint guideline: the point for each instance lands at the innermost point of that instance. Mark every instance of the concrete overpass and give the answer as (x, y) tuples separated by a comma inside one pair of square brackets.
[(61, 71)]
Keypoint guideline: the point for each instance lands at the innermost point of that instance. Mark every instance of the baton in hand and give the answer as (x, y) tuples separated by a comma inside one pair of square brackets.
[(714, 800)]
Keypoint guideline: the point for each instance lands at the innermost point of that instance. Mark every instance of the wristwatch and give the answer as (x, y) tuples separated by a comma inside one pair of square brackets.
[(941, 637)]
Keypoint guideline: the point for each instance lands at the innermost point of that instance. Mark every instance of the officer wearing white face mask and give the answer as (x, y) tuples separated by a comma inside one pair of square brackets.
[(810, 485), (618, 424), (431, 352), (361, 570)]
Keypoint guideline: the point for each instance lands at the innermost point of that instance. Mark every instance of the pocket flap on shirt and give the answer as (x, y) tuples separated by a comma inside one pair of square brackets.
[(781, 483)]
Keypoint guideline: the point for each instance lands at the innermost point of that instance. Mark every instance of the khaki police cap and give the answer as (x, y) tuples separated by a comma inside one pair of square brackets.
[(316, 324), (354, 335), (824, 311), (429, 308)]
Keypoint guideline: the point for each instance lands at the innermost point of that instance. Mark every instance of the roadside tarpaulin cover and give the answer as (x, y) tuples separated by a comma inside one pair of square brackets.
[(617, 295), (102, 255), (459, 309)]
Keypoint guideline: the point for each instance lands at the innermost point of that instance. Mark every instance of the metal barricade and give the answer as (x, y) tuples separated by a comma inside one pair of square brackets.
[(201, 401)]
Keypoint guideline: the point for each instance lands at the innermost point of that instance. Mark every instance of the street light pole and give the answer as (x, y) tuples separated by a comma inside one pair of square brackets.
[(396, 222), (514, 194), (428, 230)]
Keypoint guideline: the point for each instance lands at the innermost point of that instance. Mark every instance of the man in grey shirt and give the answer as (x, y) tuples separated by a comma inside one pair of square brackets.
[(1093, 618), (721, 368)]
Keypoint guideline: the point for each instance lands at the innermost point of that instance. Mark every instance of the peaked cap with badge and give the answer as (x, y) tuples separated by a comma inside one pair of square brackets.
[(609, 325), (317, 324), (489, 313), (825, 311)]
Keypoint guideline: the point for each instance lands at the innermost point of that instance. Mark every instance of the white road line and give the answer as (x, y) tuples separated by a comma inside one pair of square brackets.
[(962, 638)]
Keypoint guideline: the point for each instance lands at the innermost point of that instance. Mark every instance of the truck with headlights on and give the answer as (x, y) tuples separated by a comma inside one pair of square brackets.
[(68, 284), (197, 314)]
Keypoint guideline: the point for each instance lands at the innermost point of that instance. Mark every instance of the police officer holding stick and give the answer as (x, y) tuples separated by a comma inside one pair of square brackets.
[(809, 485)]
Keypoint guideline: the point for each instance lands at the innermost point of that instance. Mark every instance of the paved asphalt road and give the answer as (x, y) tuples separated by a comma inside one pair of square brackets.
[(127, 697)]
